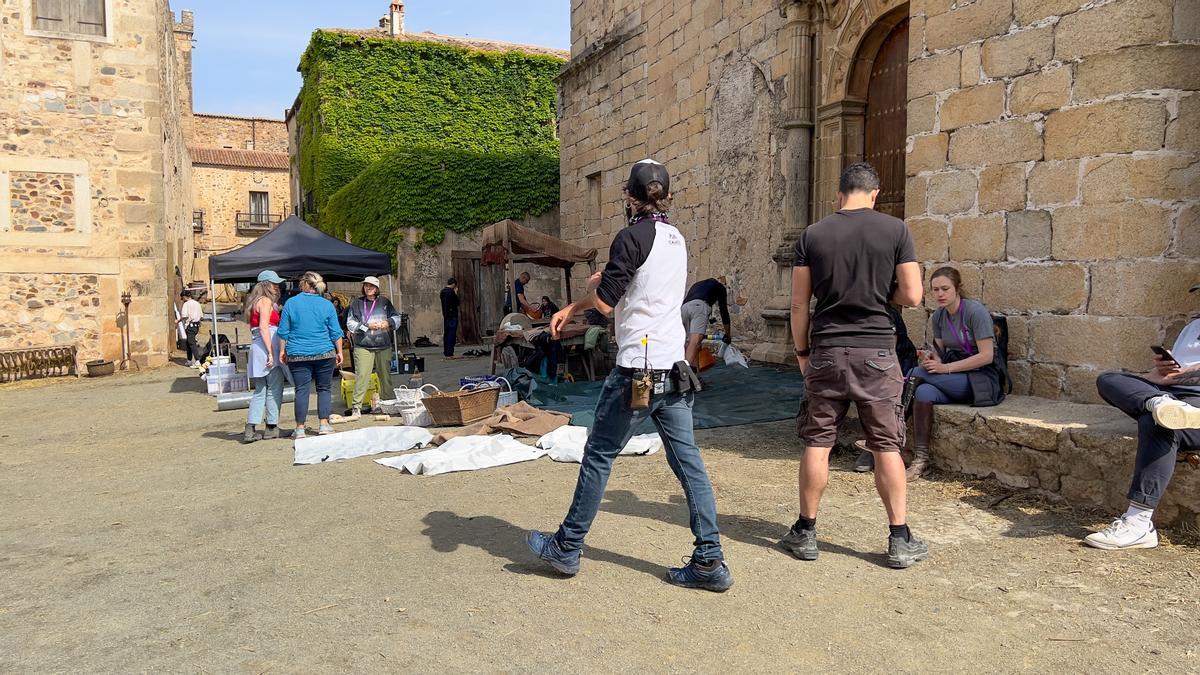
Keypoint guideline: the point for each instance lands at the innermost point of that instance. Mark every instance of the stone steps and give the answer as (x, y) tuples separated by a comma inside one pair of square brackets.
[(1080, 452)]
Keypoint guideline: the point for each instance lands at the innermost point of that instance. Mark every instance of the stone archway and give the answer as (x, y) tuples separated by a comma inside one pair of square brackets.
[(847, 61)]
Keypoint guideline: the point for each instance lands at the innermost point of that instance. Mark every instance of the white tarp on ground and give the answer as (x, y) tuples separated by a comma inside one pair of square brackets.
[(565, 444), (465, 453), (359, 443)]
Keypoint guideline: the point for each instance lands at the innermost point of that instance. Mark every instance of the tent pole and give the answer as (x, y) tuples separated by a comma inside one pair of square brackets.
[(212, 294), (392, 295), (567, 281)]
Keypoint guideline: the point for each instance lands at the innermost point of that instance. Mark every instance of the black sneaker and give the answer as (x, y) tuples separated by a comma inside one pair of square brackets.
[(802, 544), (904, 552)]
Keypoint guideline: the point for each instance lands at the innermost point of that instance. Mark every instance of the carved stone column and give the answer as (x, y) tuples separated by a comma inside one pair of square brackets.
[(776, 346)]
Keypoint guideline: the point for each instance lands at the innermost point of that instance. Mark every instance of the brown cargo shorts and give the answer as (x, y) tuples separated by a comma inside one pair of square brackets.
[(868, 376)]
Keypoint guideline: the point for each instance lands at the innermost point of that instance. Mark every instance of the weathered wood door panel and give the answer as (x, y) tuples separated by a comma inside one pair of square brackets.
[(887, 119)]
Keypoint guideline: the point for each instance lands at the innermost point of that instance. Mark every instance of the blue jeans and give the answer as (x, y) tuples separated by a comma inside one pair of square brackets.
[(305, 373), (943, 388), (268, 394), (612, 429)]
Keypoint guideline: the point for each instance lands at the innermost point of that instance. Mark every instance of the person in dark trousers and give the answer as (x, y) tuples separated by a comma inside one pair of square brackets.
[(1166, 404), (847, 352), (697, 308), (643, 286), (190, 315), (450, 303)]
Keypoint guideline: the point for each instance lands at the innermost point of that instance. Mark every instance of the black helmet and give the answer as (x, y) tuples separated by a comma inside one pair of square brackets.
[(642, 174)]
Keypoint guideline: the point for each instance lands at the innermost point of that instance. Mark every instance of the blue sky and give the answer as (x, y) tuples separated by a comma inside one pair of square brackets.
[(246, 51)]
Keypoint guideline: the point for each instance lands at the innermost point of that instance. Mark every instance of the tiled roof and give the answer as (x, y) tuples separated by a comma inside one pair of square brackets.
[(468, 42), (239, 117), (245, 159)]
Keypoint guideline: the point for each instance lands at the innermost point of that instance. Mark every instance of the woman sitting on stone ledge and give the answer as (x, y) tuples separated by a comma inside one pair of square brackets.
[(962, 366), (1164, 402)]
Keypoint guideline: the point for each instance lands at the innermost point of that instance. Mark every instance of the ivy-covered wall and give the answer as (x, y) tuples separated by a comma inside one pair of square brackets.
[(363, 98), (440, 189)]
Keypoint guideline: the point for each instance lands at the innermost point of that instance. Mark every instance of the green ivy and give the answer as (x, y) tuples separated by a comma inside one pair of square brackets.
[(439, 189), (364, 98)]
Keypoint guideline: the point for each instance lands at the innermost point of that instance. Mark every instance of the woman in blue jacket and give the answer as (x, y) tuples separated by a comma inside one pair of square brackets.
[(311, 346)]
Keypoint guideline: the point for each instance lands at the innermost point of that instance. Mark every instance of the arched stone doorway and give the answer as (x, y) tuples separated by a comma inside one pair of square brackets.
[(863, 75), (887, 119)]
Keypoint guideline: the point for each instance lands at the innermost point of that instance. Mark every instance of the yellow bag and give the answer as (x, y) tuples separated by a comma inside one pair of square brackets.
[(348, 388)]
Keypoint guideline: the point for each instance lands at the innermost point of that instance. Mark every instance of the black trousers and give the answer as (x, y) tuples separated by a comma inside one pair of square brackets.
[(191, 330), (1157, 447), (450, 335)]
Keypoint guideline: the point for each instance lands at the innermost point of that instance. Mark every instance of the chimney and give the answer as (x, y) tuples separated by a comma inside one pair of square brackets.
[(396, 25)]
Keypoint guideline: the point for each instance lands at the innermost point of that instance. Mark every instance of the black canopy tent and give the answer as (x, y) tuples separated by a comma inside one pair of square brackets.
[(291, 249)]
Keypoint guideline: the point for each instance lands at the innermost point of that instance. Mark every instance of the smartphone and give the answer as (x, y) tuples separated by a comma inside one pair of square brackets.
[(1164, 353)]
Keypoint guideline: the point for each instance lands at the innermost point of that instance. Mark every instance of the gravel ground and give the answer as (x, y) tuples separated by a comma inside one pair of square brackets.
[(138, 535)]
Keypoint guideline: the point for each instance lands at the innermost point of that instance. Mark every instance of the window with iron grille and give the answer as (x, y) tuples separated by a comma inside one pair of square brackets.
[(84, 18)]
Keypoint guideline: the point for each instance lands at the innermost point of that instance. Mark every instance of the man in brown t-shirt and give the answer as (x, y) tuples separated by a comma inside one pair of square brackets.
[(853, 262)]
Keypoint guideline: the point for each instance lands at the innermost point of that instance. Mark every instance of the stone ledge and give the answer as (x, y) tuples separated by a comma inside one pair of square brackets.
[(1080, 452)]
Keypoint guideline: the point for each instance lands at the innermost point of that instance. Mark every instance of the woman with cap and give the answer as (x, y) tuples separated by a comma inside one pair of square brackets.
[(264, 369), (370, 320)]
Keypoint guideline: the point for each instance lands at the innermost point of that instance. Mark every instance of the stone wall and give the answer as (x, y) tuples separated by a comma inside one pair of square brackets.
[(422, 273), (222, 192), (103, 110), (239, 133), (1081, 453), (1053, 159), (700, 86)]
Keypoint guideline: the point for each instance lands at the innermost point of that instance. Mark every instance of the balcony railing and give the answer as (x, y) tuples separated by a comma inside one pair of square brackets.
[(257, 223), (198, 220)]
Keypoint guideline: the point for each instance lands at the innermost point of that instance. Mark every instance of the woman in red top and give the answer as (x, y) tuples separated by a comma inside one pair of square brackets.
[(264, 370)]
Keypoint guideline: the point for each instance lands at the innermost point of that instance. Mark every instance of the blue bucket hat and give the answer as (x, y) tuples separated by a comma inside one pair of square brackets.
[(269, 275)]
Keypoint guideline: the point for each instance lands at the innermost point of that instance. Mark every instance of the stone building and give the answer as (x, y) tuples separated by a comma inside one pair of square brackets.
[(239, 182), (94, 173), (1047, 148)]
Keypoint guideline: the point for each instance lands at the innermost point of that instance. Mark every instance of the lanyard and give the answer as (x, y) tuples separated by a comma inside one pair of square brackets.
[(960, 331), (370, 312)]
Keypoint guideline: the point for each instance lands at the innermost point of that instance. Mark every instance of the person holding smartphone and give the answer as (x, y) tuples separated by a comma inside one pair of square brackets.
[(1166, 404)]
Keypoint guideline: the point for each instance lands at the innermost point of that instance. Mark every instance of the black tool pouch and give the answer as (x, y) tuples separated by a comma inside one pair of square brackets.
[(685, 378)]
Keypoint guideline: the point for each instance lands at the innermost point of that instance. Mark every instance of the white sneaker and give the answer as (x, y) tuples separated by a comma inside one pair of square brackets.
[(1172, 414), (1121, 535)]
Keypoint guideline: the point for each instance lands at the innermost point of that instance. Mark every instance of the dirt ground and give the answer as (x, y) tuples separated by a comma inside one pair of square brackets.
[(139, 535)]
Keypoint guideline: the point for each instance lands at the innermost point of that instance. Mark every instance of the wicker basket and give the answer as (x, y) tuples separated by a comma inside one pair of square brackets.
[(456, 408)]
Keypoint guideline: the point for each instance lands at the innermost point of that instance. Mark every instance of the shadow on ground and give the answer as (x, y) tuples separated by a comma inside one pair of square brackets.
[(501, 539), (745, 529)]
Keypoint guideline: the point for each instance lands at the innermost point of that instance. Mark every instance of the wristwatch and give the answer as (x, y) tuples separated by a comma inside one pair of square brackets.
[(803, 352)]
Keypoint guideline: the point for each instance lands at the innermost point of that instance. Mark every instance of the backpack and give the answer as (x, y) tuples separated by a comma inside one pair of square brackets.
[(906, 351), (1000, 324), (226, 349)]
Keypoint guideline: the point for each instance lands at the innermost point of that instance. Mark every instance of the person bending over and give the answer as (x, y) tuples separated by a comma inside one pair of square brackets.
[(847, 352), (643, 284), (697, 308), (1166, 404)]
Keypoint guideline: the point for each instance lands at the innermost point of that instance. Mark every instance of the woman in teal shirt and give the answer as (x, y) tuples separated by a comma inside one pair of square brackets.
[(311, 346)]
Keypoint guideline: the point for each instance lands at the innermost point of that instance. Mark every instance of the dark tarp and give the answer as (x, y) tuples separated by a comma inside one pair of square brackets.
[(293, 248), (535, 247), (732, 396)]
